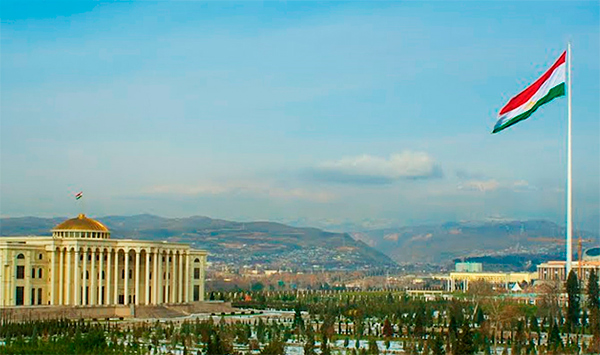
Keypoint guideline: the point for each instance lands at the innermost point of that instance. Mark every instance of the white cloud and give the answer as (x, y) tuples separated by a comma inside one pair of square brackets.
[(371, 169), (242, 188), (480, 185), (493, 185)]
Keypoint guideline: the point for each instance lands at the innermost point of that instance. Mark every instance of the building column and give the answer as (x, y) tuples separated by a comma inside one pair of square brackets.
[(93, 279), (101, 296), (67, 273), (166, 272), (159, 277), (137, 277), (180, 280), (116, 300), (147, 279), (107, 298), (155, 278), (188, 276), (27, 293), (52, 277), (61, 272), (84, 295), (173, 277), (77, 278), (126, 274), (202, 271)]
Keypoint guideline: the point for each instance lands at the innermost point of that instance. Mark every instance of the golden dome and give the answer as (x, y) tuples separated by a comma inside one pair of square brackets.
[(81, 223)]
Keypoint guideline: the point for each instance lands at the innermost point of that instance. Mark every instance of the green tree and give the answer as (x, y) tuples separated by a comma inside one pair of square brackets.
[(275, 347), (436, 345), (573, 294), (373, 348), (554, 339), (465, 344), (593, 305), (309, 344)]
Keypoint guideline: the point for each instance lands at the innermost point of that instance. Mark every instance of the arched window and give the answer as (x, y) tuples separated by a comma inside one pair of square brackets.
[(40, 273), (20, 256), (197, 260)]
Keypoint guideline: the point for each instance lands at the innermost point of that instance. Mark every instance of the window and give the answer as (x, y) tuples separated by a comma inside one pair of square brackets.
[(150, 275), (197, 260), (123, 274), (32, 296), (130, 273), (39, 296), (40, 256), (20, 256), (196, 273), (33, 273), (196, 293), (19, 295), (20, 272), (40, 273)]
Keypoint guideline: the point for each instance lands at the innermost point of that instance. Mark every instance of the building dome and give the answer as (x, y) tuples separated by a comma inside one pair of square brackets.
[(592, 254), (81, 227)]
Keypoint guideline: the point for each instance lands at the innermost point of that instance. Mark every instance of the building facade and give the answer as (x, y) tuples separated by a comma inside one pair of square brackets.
[(80, 265)]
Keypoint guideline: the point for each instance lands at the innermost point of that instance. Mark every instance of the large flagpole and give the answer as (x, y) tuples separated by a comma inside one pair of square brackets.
[(569, 166)]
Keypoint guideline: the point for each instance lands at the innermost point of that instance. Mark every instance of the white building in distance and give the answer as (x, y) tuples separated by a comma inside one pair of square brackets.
[(79, 265)]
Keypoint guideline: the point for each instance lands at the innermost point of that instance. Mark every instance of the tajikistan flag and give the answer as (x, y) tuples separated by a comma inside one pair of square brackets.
[(549, 86)]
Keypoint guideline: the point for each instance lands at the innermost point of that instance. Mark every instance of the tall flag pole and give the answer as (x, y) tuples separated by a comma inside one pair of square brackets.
[(569, 169), (548, 87)]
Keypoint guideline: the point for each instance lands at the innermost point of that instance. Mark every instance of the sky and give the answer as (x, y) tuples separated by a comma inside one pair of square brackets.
[(330, 114)]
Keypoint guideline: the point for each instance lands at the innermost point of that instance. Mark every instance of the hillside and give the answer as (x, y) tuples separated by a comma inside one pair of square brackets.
[(506, 242), (236, 244)]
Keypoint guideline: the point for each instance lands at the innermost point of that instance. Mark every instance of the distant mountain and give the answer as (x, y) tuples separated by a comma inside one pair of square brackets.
[(270, 245), (522, 242)]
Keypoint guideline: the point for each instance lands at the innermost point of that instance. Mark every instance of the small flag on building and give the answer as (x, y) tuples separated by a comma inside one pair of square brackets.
[(548, 87), (78, 195)]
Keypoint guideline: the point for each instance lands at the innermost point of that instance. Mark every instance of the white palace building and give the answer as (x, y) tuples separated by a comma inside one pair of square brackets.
[(79, 265)]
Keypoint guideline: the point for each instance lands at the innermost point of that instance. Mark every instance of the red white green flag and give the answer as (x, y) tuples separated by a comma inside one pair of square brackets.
[(78, 195), (548, 87)]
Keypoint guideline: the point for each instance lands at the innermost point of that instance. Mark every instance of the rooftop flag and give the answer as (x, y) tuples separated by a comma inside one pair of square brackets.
[(548, 87), (79, 195)]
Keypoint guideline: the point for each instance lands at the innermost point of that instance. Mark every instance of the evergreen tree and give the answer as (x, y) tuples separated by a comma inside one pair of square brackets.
[(573, 294), (436, 345), (373, 348), (309, 344), (554, 339), (275, 347), (465, 344), (593, 305)]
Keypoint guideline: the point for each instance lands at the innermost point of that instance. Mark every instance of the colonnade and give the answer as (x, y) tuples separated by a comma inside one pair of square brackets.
[(93, 275)]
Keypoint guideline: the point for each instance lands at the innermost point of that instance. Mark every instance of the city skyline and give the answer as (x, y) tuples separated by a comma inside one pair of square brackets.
[(295, 111)]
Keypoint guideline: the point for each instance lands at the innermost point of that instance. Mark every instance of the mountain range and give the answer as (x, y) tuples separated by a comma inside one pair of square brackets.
[(233, 244), (498, 244)]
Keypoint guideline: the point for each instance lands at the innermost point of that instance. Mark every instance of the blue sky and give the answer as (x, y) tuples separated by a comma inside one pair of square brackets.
[(317, 113)]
